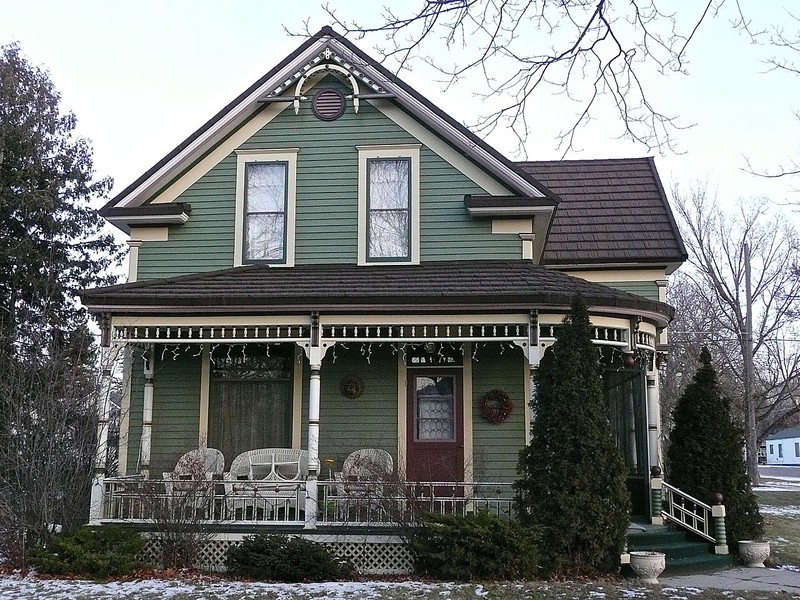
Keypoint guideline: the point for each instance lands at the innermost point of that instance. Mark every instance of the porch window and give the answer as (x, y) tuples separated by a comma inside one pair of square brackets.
[(265, 212), (780, 450), (388, 197), (251, 398)]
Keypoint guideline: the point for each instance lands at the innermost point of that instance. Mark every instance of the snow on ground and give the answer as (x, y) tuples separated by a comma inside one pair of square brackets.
[(780, 511), (26, 588)]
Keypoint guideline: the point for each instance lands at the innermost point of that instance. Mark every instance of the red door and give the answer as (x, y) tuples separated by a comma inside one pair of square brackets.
[(435, 444)]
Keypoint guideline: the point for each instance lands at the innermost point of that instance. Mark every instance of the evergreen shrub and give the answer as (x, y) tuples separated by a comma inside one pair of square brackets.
[(97, 552), (478, 546), (706, 453), (572, 487), (267, 557)]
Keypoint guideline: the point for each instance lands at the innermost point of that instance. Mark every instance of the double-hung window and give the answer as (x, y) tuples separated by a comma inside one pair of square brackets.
[(389, 198), (388, 204), (265, 207)]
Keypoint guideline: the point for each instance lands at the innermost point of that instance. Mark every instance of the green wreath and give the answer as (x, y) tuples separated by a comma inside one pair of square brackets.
[(496, 406)]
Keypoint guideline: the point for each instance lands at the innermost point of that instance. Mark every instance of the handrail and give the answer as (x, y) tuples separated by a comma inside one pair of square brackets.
[(687, 512)]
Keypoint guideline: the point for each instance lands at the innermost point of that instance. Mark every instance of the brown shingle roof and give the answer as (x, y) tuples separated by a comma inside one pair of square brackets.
[(611, 210), (447, 285)]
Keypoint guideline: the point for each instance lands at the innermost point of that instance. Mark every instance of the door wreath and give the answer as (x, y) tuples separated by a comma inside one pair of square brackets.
[(496, 406)]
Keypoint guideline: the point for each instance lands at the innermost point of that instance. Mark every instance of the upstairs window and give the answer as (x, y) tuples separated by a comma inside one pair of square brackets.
[(265, 206), (388, 204), (265, 212), (389, 199)]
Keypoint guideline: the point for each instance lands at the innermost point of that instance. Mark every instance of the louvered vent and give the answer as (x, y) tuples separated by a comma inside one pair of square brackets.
[(328, 105)]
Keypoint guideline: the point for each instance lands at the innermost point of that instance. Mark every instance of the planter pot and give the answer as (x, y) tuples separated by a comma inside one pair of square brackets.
[(648, 565), (753, 554)]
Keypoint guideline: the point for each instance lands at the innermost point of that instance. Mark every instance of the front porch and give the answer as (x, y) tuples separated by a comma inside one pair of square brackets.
[(133, 500), (364, 525)]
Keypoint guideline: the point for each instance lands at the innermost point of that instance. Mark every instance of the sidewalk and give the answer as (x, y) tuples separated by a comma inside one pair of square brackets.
[(740, 578)]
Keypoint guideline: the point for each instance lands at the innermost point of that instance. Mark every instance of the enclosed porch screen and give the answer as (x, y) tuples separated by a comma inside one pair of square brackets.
[(250, 398)]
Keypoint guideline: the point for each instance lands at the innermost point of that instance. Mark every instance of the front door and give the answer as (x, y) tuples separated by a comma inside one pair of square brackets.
[(435, 445)]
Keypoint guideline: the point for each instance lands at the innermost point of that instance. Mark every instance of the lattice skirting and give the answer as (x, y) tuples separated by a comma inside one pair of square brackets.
[(369, 554)]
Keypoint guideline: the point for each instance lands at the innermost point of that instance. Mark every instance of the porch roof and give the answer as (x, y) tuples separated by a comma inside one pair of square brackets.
[(465, 286)]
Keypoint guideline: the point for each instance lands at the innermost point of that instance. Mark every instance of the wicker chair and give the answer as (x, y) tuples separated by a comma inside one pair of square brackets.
[(361, 484), (191, 483)]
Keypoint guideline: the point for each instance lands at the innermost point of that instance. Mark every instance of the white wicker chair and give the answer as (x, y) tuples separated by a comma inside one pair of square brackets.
[(192, 480), (360, 485)]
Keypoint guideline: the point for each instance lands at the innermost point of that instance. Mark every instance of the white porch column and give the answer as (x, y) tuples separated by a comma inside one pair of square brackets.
[(653, 418), (97, 491), (315, 362), (147, 414)]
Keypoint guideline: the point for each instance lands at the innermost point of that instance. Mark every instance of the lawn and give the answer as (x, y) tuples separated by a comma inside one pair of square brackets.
[(781, 511), (14, 588)]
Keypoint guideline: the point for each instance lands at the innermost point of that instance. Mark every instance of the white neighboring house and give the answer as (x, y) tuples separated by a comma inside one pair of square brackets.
[(783, 448)]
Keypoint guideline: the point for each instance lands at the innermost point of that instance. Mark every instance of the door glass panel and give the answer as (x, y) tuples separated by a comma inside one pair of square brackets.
[(435, 415)]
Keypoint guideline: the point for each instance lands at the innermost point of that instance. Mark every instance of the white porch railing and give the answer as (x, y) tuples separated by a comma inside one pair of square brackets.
[(687, 512), (133, 499), (365, 503)]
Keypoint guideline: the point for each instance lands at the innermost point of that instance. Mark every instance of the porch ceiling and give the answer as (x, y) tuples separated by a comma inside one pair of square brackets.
[(446, 286)]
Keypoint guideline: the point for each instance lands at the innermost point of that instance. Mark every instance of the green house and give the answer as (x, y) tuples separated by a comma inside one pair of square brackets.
[(332, 264)]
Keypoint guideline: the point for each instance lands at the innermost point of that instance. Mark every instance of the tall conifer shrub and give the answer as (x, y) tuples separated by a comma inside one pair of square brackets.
[(705, 453), (573, 479)]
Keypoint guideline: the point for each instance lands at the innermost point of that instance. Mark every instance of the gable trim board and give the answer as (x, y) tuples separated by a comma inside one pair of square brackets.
[(251, 101)]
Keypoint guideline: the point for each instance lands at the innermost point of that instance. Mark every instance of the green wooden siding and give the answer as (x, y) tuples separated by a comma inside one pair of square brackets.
[(648, 289), (327, 200), (134, 434), (496, 447), (176, 408), (366, 422)]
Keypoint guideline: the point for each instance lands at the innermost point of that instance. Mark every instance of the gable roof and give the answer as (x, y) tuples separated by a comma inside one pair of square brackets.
[(322, 46), (476, 285), (610, 211), (792, 432)]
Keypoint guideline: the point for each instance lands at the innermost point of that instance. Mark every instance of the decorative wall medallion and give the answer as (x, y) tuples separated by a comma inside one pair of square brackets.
[(351, 386), (496, 406), (328, 105)]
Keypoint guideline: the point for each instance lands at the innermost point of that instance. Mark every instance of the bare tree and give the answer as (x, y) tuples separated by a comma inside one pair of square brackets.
[(713, 288), (594, 53), (785, 61)]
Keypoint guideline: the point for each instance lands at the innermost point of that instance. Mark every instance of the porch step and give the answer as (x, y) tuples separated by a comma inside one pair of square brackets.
[(685, 552)]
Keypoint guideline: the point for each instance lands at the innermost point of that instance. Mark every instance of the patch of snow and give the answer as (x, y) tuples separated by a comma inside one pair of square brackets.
[(593, 594), (632, 593), (782, 511)]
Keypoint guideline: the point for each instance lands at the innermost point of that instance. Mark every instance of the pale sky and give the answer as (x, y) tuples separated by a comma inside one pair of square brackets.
[(141, 76)]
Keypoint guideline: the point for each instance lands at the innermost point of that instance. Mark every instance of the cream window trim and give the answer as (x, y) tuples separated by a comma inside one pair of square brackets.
[(467, 402), (297, 398), (365, 153), (243, 157)]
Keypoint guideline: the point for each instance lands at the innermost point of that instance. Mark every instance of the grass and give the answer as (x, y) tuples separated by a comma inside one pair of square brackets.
[(781, 511), (608, 590)]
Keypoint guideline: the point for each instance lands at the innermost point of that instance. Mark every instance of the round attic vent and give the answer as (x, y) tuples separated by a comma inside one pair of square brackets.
[(328, 105)]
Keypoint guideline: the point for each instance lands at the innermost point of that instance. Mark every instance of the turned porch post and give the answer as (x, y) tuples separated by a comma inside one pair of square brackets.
[(315, 363), (147, 413), (97, 491)]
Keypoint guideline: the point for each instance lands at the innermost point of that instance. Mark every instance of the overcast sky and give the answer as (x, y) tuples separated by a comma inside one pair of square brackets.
[(141, 76)]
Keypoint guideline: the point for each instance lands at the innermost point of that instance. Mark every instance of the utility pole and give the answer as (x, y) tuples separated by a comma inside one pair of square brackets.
[(751, 437)]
